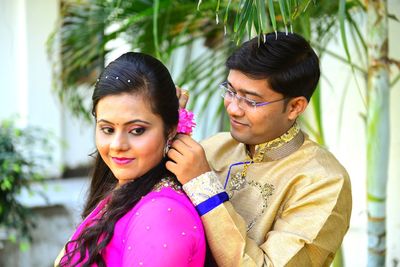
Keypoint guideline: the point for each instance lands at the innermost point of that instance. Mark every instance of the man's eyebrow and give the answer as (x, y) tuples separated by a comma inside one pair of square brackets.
[(244, 91), (126, 123)]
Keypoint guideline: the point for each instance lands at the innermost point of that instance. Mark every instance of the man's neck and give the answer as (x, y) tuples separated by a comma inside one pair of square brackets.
[(251, 149)]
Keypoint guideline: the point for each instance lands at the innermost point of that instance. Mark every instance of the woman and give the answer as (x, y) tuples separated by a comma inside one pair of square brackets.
[(136, 213)]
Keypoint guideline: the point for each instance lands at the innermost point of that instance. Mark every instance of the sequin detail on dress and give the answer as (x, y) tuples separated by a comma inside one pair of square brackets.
[(168, 182)]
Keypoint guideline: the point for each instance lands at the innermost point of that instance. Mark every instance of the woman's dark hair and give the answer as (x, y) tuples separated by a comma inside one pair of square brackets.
[(133, 73), (285, 60)]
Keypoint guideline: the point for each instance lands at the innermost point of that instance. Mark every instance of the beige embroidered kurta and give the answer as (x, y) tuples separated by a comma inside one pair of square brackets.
[(292, 209)]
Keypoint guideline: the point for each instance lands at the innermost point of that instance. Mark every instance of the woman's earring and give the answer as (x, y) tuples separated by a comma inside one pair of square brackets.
[(167, 147)]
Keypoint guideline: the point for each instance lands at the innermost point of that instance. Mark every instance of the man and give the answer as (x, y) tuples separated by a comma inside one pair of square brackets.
[(267, 194)]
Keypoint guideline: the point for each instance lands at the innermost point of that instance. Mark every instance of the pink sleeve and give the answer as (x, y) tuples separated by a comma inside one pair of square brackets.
[(163, 232)]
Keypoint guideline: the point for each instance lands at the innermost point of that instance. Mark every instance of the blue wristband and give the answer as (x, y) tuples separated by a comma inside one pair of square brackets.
[(211, 203)]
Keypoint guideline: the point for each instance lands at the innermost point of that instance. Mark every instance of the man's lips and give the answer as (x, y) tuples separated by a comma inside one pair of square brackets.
[(122, 161), (236, 123)]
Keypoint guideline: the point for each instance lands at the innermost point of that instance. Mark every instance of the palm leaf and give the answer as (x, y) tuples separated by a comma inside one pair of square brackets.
[(87, 29)]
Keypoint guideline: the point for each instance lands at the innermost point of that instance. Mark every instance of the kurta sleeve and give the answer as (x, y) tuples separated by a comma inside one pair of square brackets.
[(307, 231), (163, 232)]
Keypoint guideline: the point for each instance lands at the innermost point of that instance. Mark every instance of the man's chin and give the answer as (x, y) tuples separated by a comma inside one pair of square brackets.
[(245, 138), (241, 138)]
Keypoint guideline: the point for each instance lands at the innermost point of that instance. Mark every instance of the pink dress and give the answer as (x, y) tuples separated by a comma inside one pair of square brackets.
[(163, 229)]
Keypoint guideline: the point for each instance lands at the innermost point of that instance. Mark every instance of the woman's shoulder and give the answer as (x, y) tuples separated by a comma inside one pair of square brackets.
[(166, 198), (169, 207), (169, 193), (165, 221)]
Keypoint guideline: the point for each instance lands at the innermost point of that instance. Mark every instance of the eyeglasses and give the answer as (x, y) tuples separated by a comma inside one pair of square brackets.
[(243, 102)]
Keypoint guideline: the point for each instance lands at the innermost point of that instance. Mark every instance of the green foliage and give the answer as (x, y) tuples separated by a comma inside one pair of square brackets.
[(88, 29), (20, 165), (84, 36)]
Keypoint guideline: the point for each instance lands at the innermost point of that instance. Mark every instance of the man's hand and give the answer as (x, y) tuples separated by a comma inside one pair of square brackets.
[(188, 159), (183, 96)]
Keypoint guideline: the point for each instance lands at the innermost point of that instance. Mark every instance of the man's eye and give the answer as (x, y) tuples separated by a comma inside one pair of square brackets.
[(138, 131), (251, 102), (231, 93), (107, 130)]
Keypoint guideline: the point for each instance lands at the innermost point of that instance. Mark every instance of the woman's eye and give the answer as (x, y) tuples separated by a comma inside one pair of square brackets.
[(138, 131), (107, 130)]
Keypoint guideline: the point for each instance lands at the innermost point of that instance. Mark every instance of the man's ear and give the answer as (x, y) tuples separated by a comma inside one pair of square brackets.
[(296, 107)]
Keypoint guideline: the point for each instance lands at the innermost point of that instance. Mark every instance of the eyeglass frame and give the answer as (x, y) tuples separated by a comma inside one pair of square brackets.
[(253, 103)]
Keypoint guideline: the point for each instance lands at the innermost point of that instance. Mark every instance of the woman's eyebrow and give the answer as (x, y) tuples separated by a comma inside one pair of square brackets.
[(126, 123)]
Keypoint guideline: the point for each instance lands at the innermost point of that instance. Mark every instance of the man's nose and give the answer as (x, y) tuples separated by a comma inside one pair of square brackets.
[(233, 108)]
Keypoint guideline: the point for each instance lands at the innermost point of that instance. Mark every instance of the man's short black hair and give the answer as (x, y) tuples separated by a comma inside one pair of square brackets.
[(286, 60)]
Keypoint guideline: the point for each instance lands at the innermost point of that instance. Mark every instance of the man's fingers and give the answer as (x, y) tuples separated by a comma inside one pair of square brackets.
[(186, 139), (183, 96), (180, 145), (183, 101), (178, 91), (171, 166), (174, 154)]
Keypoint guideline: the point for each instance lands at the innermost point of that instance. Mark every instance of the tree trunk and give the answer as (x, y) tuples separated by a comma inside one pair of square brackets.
[(378, 129)]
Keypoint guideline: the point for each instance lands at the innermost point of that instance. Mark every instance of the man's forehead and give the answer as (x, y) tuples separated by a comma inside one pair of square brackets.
[(244, 84), (243, 90)]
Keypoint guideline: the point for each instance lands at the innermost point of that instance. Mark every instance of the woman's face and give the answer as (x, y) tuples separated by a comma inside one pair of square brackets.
[(129, 136)]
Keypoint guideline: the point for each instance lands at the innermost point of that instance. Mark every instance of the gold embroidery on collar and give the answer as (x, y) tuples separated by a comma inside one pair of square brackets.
[(279, 142)]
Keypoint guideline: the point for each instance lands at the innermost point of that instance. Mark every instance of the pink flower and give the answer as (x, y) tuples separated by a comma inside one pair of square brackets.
[(186, 122)]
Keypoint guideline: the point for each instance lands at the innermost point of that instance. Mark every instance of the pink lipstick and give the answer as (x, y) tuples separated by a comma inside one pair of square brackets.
[(122, 161)]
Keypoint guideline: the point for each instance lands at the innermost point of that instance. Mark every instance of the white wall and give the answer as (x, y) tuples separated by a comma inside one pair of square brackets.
[(13, 67), (78, 139), (26, 87), (25, 70)]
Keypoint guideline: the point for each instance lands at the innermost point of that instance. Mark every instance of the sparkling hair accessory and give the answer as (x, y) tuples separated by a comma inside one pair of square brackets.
[(116, 78), (186, 121)]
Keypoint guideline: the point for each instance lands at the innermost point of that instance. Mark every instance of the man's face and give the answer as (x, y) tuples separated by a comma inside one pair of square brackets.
[(255, 126)]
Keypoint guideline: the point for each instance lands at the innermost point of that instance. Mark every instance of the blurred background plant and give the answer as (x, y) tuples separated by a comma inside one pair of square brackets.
[(23, 151), (87, 32)]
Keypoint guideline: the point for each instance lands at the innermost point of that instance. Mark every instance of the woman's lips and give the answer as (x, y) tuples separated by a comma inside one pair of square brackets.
[(122, 161)]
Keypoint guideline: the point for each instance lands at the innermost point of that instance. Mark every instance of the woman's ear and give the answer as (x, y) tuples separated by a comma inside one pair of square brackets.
[(296, 107), (171, 133)]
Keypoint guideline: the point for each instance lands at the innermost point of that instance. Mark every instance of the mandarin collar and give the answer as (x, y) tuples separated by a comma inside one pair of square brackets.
[(279, 147)]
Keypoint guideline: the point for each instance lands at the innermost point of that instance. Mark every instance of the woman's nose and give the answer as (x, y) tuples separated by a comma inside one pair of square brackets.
[(119, 142)]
